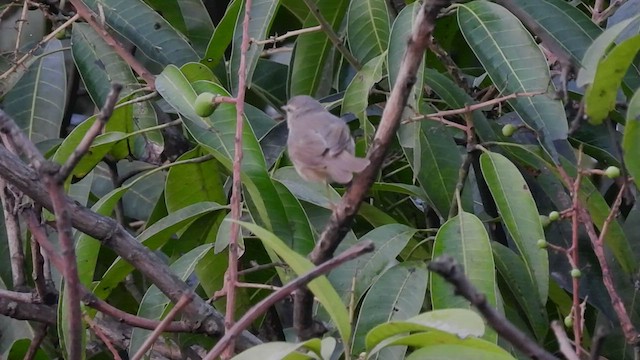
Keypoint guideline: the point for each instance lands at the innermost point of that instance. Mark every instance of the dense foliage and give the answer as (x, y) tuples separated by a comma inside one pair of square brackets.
[(518, 155)]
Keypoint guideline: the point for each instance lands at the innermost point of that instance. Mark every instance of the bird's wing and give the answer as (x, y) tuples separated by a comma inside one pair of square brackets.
[(309, 148), (338, 138)]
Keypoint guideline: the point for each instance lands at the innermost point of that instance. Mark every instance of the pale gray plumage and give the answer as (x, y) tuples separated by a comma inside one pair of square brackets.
[(320, 144)]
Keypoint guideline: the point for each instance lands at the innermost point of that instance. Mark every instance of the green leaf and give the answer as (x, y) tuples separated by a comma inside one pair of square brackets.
[(153, 238), (460, 351), (312, 50), (99, 67), (368, 27), (146, 29), (465, 238), (600, 97), (262, 15), (396, 295), (520, 215), (515, 64), (631, 139), (222, 35), (189, 184), (277, 350), (514, 272), (460, 322), (400, 32), (37, 101), (320, 287), (388, 240), (155, 303)]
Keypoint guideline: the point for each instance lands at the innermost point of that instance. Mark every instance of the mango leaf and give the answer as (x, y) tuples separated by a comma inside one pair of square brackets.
[(320, 287), (37, 100), (631, 139), (520, 215), (460, 322), (277, 350), (262, 15), (513, 271), (465, 238), (389, 240), (312, 50), (600, 97), (100, 66), (222, 35), (368, 27), (437, 340), (459, 351), (396, 295), (515, 64), (146, 29), (153, 238), (155, 303)]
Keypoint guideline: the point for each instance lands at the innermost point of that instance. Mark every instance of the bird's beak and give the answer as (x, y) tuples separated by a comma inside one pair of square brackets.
[(285, 108)]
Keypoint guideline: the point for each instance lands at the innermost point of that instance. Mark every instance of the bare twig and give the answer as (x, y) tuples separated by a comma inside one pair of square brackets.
[(90, 18), (345, 211), (333, 37), (96, 329), (574, 258), (359, 249), (184, 300), (27, 311), (20, 22), (565, 344), (450, 271), (37, 262), (275, 39), (231, 277), (36, 341), (14, 239), (96, 129), (600, 16), (17, 296)]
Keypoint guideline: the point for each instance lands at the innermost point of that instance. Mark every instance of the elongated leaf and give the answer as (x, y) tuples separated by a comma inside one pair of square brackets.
[(99, 67), (460, 351), (465, 238), (277, 350), (631, 140), (320, 287), (37, 101), (155, 303), (397, 295), (368, 27), (262, 15), (515, 64), (459, 322), (600, 98), (223, 35), (514, 273), (153, 238), (312, 49), (146, 29), (389, 240), (520, 215)]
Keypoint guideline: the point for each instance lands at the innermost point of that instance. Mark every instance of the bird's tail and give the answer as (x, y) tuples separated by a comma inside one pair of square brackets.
[(344, 165)]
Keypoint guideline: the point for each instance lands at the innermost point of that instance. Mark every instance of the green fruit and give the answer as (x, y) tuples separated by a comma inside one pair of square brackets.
[(545, 221), (62, 34), (554, 216), (568, 321), (612, 172), (576, 273), (508, 130), (542, 244), (204, 105)]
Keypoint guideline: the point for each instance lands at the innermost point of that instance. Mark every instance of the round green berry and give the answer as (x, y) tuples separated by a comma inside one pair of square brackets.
[(508, 130), (612, 172), (576, 273), (62, 34), (542, 244), (554, 216), (204, 105), (568, 321)]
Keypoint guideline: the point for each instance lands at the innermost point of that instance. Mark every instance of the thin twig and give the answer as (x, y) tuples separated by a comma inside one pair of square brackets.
[(231, 277), (96, 329), (359, 249), (574, 257), (14, 238), (453, 273), (275, 39), (17, 296), (257, 286), (184, 300), (565, 344), (333, 37), (21, 22), (96, 129), (90, 18), (36, 341)]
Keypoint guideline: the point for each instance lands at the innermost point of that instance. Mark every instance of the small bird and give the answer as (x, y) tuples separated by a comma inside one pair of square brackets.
[(320, 144)]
